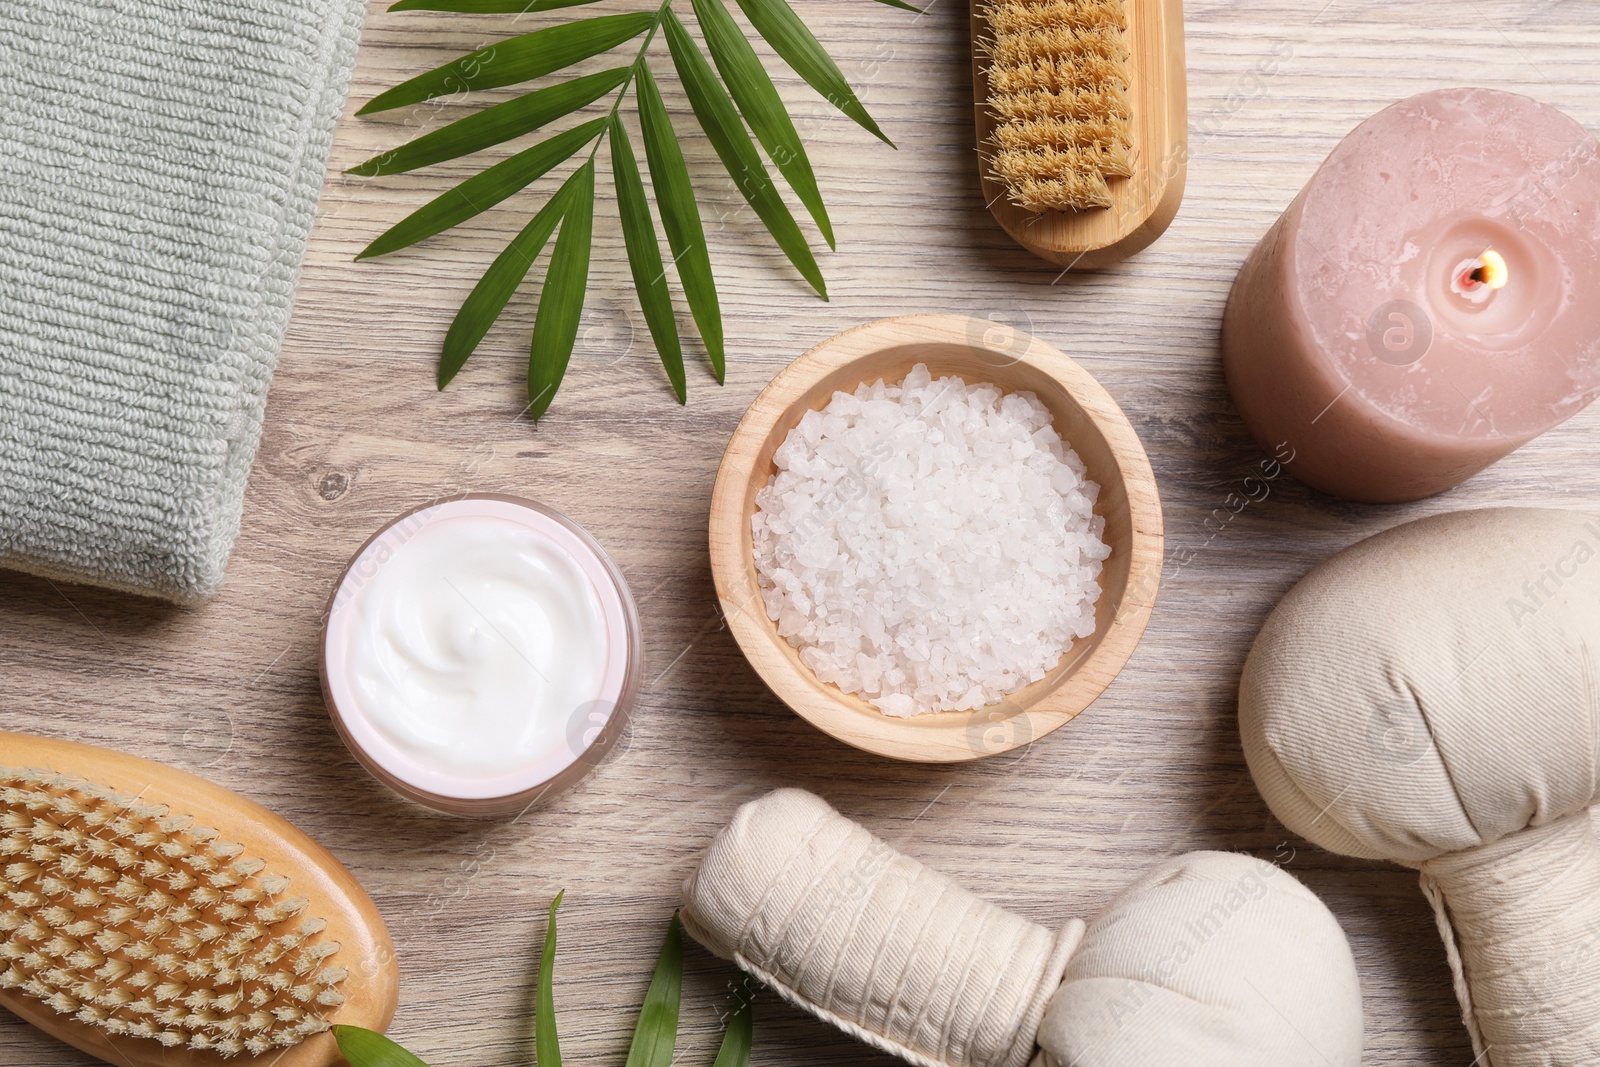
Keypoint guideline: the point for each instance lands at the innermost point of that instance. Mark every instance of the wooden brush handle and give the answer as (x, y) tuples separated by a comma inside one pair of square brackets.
[(370, 991)]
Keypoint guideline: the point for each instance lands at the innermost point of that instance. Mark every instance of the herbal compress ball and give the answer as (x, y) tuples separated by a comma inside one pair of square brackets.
[(1209, 960), (1430, 696)]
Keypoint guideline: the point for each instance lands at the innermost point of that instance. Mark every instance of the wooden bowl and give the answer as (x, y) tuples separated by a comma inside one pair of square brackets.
[(1084, 414), (1142, 205)]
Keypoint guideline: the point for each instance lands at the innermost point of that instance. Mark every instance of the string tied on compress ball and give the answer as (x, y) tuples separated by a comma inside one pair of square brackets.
[(1209, 960), (1428, 696), (1520, 916)]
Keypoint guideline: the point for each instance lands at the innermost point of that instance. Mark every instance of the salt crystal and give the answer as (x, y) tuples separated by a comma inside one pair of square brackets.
[(930, 546)]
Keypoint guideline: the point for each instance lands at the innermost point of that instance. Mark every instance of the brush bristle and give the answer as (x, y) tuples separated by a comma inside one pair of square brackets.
[(1058, 89), (139, 923)]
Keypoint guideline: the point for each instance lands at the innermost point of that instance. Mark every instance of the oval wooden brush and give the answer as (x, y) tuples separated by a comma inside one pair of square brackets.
[(153, 919), (1082, 115)]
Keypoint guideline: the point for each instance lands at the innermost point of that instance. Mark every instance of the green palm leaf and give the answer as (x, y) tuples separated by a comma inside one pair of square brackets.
[(493, 291), (367, 1048), (740, 1032), (555, 327), (654, 1038), (657, 1033), (520, 59), (727, 134), (727, 92), (494, 125), (499, 7), (776, 21), (644, 259), (752, 89), (484, 190), (680, 218), (546, 1042)]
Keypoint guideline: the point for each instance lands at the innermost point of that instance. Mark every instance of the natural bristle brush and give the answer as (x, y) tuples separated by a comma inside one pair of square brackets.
[(1058, 85), (1081, 116), (149, 917)]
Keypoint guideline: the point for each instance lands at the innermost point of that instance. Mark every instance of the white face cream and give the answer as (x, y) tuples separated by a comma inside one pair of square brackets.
[(479, 650)]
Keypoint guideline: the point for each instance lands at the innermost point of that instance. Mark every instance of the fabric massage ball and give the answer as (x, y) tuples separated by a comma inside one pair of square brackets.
[(1210, 960), (1428, 696)]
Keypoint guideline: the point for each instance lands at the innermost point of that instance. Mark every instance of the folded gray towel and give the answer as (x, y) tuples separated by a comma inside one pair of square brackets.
[(160, 162)]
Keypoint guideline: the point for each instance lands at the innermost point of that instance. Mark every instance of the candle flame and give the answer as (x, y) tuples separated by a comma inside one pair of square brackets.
[(1490, 270)]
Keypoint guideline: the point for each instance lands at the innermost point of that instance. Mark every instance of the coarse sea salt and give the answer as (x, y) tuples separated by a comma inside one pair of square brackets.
[(930, 546)]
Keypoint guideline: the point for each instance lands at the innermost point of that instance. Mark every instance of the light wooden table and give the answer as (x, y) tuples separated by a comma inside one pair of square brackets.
[(356, 433)]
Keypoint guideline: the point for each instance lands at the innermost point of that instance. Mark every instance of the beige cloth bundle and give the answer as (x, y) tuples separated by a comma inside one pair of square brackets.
[(1429, 696), (1210, 960)]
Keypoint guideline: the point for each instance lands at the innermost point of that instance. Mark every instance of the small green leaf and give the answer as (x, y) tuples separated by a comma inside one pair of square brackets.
[(494, 125), (657, 1033), (727, 135), (497, 7), (493, 291), (366, 1048), (763, 109), (518, 59), (901, 4), (555, 327), (680, 217), (644, 259), (546, 1043), (484, 190), (740, 1032), (776, 21)]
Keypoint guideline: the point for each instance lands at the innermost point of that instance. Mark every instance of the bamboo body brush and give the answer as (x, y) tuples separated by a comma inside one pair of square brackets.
[(149, 917), (1081, 117)]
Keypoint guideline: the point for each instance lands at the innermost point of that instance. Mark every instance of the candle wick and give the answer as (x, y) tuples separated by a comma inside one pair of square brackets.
[(1479, 274)]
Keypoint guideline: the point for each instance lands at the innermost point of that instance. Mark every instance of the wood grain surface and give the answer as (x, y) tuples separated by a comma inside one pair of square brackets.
[(356, 433)]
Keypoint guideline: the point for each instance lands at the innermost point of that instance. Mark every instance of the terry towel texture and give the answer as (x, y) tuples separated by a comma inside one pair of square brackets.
[(160, 162)]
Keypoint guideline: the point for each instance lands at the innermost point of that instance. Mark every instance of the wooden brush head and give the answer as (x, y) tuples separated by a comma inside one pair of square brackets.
[(1081, 122), (141, 935), (1058, 87)]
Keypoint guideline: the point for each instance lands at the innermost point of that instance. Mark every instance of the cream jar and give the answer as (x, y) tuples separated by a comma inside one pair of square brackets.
[(480, 654)]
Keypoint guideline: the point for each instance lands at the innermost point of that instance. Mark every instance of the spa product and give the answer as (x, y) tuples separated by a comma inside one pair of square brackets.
[(1428, 696), (162, 162), (1080, 409), (480, 654), (1428, 302), (153, 919), (1081, 122), (1210, 960), (931, 545)]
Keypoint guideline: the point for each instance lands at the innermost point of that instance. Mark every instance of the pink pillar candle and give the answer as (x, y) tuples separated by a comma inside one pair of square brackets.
[(1429, 302)]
